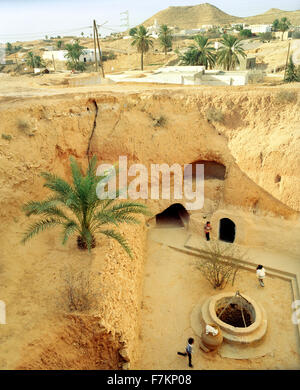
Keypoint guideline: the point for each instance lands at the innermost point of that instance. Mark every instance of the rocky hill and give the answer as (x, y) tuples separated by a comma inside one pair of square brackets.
[(198, 15)]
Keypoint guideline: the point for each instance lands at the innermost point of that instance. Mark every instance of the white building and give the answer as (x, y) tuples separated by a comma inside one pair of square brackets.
[(154, 29), (192, 31), (260, 28), (207, 27), (60, 55)]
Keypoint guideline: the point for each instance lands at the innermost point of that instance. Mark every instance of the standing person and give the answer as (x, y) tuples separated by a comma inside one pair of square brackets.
[(188, 351), (207, 230), (260, 273)]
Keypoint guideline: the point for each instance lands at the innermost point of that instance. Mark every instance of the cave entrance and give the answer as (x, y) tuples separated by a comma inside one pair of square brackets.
[(212, 170), (227, 230), (174, 216)]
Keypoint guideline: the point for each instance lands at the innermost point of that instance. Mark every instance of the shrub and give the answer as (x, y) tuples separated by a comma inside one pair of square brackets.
[(108, 56), (267, 36), (159, 122), (245, 33), (255, 76), (286, 97), (214, 115), (6, 136), (24, 127), (220, 263), (77, 294), (80, 66)]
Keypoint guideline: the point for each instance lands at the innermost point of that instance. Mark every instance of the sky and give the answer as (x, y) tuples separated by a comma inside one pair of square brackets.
[(33, 19)]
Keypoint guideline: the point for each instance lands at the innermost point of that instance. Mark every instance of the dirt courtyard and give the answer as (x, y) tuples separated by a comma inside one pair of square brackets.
[(173, 286)]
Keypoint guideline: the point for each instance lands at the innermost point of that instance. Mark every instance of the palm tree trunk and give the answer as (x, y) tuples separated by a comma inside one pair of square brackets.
[(142, 60), (165, 50)]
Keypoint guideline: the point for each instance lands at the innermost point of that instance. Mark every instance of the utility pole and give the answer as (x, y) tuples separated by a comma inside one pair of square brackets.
[(287, 59), (94, 32), (98, 44)]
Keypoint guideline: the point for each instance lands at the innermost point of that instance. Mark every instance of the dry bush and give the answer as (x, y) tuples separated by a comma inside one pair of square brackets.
[(255, 77), (286, 97), (214, 115), (220, 264), (77, 292), (24, 127), (159, 122)]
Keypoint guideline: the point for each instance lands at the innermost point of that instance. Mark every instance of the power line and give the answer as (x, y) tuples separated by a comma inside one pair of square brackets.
[(47, 32)]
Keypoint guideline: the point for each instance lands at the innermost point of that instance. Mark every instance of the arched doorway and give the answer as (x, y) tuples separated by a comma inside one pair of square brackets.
[(212, 170), (227, 230), (174, 216)]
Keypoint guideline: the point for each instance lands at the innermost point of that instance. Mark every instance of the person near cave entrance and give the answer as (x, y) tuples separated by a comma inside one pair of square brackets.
[(260, 273), (188, 351), (207, 230)]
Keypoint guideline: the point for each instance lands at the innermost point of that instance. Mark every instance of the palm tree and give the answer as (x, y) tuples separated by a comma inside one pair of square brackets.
[(77, 208), (165, 37), (206, 55), (284, 25), (142, 41), (200, 54), (230, 51), (275, 25), (33, 61), (190, 57), (74, 51), (132, 31), (59, 44)]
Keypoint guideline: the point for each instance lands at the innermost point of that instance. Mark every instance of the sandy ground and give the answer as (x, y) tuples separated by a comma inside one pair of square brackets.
[(31, 285), (173, 287)]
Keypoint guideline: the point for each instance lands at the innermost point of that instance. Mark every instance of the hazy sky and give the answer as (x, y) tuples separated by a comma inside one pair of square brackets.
[(32, 19)]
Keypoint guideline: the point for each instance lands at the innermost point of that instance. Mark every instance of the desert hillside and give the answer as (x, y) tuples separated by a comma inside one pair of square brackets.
[(274, 13), (198, 15), (192, 16)]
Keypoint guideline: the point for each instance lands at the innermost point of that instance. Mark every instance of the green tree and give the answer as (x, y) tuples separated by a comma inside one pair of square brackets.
[(74, 51), (78, 210), (239, 27), (230, 51), (203, 53), (165, 37), (132, 31), (190, 57), (59, 44), (9, 48), (275, 25), (142, 41), (267, 36), (284, 25), (34, 61), (245, 33), (291, 72)]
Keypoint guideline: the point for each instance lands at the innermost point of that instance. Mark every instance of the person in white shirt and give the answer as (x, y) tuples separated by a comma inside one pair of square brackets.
[(260, 273), (188, 351)]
